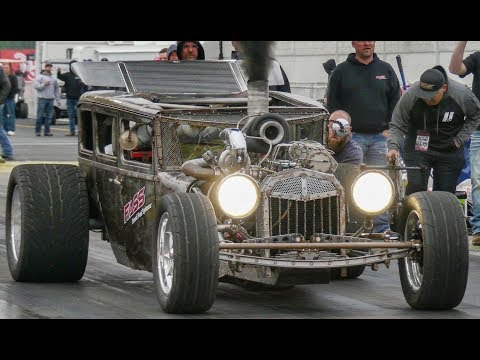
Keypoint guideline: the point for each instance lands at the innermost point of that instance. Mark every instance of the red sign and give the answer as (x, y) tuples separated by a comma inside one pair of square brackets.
[(27, 61)]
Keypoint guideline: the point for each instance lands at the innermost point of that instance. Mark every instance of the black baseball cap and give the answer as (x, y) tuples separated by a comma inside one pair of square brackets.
[(430, 82)]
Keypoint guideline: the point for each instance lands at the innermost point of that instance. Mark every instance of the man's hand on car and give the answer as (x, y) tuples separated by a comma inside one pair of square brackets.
[(392, 155)]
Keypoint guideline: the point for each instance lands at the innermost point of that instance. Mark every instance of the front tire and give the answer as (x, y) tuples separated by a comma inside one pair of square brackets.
[(185, 254), (47, 223), (435, 276)]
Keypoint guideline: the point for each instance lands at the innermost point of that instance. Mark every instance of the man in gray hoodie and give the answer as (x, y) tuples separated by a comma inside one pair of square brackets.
[(436, 115), (48, 90)]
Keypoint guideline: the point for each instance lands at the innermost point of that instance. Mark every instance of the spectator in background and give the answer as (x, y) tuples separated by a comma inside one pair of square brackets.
[(73, 90), (7, 148), (48, 90), (463, 67), (190, 50), (21, 83), (285, 87), (436, 115), (368, 89), (162, 55), (8, 112), (172, 52)]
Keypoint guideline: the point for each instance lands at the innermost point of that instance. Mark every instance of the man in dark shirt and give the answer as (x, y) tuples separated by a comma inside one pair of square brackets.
[(9, 117), (471, 65), (73, 89), (368, 89), (6, 145), (340, 140)]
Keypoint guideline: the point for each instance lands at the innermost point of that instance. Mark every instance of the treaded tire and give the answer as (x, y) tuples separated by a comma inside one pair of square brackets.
[(437, 279), (190, 247), (346, 174), (47, 223)]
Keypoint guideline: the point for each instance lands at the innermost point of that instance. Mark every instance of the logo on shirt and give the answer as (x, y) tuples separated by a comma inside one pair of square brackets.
[(381, 77), (448, 116)]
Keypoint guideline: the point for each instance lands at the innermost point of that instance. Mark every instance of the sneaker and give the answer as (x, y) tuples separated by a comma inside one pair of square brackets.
[(11, 133), (476, 239), (38, 134), (1, 160), (48, 134), (8, 157)]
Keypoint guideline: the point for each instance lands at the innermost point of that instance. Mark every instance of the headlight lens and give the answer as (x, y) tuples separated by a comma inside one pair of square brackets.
[(238, 195), (372, 192)]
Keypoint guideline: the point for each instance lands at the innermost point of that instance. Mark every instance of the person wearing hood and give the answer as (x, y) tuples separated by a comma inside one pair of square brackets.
[(436, 115), (172, 52), (190, 50), (73, 89)]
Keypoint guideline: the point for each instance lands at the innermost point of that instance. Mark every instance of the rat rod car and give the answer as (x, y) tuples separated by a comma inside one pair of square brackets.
[(197, 175)]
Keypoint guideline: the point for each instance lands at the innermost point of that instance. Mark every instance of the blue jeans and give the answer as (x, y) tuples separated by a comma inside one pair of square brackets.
[(9, 115), (7, 148), (374, 147), (72, 113), (44, 106), (475, 177)]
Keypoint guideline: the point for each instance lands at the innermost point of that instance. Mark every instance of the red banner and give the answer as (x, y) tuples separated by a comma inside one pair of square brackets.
[(27, 61)]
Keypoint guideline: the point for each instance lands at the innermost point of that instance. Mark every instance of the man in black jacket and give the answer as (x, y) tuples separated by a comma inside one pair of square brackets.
[(73, 89), (436, 115), (368, 89), (7, 148), (9, 117)]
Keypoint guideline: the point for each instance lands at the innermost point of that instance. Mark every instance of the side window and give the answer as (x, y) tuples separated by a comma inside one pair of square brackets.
[(143, 151), (86, 130), (105, 134)]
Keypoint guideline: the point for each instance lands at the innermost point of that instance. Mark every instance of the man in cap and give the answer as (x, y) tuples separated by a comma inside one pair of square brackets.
[(190, 50), (436, 115)]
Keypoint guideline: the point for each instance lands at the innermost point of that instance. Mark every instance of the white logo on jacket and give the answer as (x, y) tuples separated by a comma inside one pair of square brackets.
[(448, 116)]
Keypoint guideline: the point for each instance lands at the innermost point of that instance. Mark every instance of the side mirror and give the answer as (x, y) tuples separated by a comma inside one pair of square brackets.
[(129, 140)]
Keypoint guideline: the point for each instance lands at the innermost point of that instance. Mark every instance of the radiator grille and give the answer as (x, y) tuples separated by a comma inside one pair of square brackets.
[(304, 217)]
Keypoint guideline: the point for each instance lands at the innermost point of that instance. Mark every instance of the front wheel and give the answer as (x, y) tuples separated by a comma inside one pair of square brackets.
[(434, 277), (185, 255)]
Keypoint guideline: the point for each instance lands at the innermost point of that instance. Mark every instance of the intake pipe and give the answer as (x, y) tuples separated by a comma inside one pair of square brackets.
[(199, 169)]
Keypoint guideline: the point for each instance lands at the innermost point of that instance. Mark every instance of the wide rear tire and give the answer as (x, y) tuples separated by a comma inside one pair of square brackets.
[(185, 254), (47, 223), (434, 277)]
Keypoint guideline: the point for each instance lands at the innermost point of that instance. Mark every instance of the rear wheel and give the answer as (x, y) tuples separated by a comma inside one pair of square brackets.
[(185, 255), (47, 223), (435, 276)]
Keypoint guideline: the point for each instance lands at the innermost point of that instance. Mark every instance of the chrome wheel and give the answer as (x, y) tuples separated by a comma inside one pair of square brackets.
[(414, 263), (16, 225), (165, 254)]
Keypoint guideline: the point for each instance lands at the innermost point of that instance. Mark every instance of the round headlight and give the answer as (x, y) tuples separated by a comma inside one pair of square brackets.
[(238, 195), (372, 192)]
